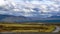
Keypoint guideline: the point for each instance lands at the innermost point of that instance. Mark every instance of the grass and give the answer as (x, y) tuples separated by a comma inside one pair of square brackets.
[(26, 27)]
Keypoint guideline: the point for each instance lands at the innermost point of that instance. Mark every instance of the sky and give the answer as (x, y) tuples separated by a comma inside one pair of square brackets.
[(30, 8)]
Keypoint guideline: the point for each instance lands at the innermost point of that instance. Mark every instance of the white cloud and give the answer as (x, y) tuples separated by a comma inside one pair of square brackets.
[(16, 10), (25, 8), (2, 2)]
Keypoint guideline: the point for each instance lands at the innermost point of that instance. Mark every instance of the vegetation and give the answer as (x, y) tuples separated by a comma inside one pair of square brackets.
[(26, 27)]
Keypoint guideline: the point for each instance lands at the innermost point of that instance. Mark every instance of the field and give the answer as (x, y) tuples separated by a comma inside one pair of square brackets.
[(27, 27)]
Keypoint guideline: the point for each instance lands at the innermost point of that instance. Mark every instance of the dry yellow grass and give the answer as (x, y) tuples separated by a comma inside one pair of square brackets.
[(26, 28)]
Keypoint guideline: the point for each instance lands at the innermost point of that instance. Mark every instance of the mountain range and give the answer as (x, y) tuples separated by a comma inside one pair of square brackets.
[(19, 19)]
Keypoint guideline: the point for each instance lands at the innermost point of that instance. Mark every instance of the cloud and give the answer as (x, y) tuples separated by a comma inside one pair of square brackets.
[(2, 2), (28, 8)]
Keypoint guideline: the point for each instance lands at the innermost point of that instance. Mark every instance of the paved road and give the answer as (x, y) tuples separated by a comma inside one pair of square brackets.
[(57, 29)]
